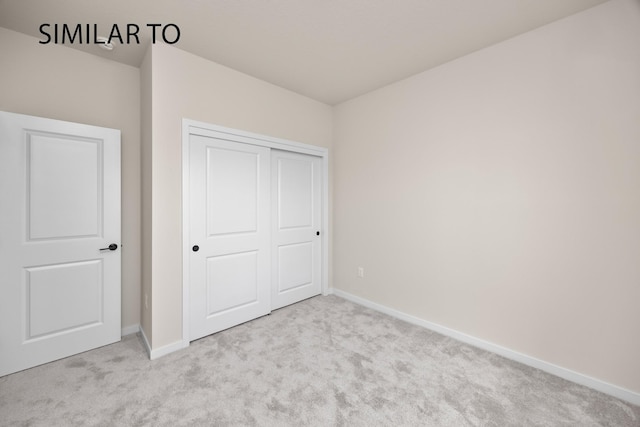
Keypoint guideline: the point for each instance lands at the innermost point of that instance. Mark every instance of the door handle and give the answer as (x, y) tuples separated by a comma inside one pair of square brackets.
[(112, 247)]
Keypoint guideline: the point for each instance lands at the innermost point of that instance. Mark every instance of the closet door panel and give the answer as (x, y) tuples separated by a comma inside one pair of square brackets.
[(230, 225), (296, 243)]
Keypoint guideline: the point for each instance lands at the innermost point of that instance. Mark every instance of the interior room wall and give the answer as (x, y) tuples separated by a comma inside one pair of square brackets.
[(187, 86), (56, 82), (499, 194), (146, 132)]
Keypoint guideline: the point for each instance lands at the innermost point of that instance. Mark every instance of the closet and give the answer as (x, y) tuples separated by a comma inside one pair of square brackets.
[(254, 225)]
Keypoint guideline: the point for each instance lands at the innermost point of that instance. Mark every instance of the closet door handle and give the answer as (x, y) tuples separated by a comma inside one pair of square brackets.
[(111, 247)]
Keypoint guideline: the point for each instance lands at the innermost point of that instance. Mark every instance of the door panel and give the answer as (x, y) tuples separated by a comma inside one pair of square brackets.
[(296, 205), (294, 185), (63, 297), (295, 265), (229, 198), (60, 204), (232, 281), (231, 208), (63, 197)]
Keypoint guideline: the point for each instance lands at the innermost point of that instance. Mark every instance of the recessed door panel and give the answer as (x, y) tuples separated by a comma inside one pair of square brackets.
[(295, 193), (60, 204), (64, 187), (232, 281), (63, 297), (232, 191), (295, 266)]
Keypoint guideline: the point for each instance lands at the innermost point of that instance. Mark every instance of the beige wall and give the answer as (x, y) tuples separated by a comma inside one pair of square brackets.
[(145, 166), (499, 194), (187, 86), (61, 83)]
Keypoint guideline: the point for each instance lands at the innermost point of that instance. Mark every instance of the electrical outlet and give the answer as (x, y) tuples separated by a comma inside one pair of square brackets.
[(360, 272)]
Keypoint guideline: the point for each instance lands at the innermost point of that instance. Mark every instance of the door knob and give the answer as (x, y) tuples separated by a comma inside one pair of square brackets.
[(112, 247), (196, 248)]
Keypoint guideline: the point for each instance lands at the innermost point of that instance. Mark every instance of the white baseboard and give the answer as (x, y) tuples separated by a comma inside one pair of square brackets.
[(169, 348), (164, 350), (146, 342), (576, 377), (131, 329)]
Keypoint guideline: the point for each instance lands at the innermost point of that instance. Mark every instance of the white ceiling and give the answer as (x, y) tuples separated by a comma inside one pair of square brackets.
[(329, 50)]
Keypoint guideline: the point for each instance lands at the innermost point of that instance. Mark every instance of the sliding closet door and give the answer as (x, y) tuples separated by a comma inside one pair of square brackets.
[(230, 227), (296, 242)]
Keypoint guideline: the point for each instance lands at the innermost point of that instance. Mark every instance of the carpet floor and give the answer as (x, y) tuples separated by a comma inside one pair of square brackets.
[(322, 362)]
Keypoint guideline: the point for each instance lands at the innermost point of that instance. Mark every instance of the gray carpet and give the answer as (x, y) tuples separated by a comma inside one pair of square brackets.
[(322, 362)]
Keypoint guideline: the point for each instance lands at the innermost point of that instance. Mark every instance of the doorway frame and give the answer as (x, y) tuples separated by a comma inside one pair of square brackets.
[(193, 127)]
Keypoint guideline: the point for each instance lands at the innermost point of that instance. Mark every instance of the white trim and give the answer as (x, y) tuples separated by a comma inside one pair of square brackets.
[(146, 342), (169, 348), (192, 127), (186, 225), (236, 135), (129, 330), (162, 351), (324, 272), (576, 377)]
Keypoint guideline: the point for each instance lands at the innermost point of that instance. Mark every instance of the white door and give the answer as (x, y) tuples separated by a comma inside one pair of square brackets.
[(229, 196), (296, 241), (59, 206)]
